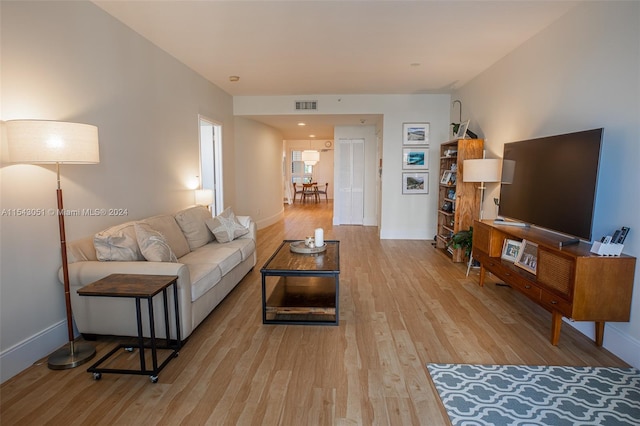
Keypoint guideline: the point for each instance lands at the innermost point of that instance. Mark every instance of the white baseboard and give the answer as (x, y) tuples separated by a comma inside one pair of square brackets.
[(263, 223), (22, 355), (620, 344)]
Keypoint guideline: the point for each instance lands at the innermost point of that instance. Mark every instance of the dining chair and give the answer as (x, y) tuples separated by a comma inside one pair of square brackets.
[(323, 191), (298, 191), (310, 190)]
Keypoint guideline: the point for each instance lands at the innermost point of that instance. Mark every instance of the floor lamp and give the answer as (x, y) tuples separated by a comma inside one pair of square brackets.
[(482, 170), (56, 142)]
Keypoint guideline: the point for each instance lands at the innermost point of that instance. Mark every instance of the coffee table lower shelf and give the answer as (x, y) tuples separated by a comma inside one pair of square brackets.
[(302, 300)]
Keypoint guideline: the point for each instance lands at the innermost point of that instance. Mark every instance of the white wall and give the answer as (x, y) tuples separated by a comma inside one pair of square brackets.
[(71, 61), (259, 164), (402, 216), (583, 72)]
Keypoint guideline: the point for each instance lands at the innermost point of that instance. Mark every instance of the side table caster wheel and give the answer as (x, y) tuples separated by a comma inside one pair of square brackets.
[(154, 379), (97, 376)]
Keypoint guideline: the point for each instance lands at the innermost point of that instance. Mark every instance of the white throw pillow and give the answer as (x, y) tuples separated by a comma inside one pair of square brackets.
[(117, 243), (153, 244), (192, 223), (226, 226)]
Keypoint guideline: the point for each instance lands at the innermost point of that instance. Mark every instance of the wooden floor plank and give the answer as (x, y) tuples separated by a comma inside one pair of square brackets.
[(402, 304)]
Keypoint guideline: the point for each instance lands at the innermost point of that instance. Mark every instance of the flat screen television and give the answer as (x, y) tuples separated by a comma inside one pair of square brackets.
[(551, 182)]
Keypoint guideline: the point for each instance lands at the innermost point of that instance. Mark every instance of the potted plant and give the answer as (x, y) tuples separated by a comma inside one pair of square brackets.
[(462, 240)]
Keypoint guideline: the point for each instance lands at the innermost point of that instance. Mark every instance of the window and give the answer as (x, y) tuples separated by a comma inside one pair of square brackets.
[(300, 172)]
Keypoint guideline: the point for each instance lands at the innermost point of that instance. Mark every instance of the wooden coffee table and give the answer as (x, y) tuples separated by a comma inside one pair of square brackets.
[(301, 288), (139, 287)]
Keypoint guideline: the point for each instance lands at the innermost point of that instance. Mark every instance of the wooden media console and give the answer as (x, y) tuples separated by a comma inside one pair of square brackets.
[(569, 281)]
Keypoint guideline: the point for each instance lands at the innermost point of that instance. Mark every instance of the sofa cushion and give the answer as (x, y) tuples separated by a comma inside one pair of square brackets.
[(226, 227), (204, 276), (246, 246), (167, 226), (118, 243), (214, 253), (153, 245), (192, 223)]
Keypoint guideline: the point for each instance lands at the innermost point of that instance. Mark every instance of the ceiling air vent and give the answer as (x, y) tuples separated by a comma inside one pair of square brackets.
[(306, 105)]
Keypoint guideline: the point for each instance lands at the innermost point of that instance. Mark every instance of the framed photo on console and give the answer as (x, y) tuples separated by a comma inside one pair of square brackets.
[(510, 249), (528, 256)]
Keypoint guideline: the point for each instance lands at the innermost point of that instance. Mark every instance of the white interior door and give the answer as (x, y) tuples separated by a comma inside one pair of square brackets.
[(351, 181)]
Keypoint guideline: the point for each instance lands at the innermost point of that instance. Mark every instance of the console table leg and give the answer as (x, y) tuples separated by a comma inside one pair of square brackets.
[(599, 332), (556, 325), (482, 271)]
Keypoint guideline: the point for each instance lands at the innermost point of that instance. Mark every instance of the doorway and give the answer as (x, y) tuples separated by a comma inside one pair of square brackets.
[(211, 161)]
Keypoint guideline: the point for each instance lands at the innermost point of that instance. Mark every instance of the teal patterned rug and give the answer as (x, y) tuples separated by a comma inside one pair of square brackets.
[(537, 395)]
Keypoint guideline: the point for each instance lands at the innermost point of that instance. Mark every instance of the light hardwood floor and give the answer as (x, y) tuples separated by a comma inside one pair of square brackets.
[(402, 305)]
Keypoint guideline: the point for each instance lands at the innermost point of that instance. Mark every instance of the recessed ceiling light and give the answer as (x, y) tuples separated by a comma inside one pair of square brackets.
[(302, 124), (234, 78), (312, 136)]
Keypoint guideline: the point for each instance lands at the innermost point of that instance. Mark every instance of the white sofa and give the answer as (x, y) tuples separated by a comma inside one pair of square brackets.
[(207, 268)]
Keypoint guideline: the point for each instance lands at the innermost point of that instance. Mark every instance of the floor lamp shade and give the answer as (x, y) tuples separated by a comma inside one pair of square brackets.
[(56, 142), (51, 142)]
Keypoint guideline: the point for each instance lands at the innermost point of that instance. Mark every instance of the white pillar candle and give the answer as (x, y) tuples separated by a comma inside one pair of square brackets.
[(319, 237)]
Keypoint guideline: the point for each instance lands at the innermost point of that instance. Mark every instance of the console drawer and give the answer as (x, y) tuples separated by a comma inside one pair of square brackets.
[(531, 291), (556, 303)]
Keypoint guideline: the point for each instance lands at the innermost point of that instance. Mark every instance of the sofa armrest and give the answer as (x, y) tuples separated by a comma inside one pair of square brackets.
[(83, 273), (248, 223)]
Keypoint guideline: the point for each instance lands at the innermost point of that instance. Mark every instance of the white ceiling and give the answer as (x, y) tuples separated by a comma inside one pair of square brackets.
[(300, 47)]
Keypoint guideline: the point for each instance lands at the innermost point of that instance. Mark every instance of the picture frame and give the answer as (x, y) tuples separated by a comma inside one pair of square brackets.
[(511, 249), (415, 183), (527, 258), (415, 133), (462, 130), (415, 158), (447, 177)]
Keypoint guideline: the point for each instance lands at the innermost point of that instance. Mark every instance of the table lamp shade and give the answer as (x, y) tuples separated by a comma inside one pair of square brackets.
[(482, 170), (49, 142), (204, 197)]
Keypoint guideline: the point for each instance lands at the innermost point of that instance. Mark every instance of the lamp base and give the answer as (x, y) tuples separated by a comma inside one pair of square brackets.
[(65, 358)]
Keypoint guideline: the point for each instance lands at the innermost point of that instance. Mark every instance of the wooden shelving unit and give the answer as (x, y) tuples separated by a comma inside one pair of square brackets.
[(458, 201)]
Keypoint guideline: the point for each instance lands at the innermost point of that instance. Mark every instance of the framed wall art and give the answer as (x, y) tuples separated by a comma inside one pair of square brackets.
[(415, 158), (415, 183), (415, 133), (528, 256)]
